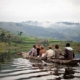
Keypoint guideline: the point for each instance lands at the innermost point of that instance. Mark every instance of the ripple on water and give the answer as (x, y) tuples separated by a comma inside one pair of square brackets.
[(23, 69)]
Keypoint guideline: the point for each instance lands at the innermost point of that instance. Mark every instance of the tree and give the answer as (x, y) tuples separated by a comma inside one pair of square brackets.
[(8, 38), (20, 33), (2, 36)]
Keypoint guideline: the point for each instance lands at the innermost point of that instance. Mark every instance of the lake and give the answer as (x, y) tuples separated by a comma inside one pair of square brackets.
[(24, 69)]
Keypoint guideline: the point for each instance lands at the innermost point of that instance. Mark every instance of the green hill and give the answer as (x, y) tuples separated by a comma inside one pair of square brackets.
[(59, 31)]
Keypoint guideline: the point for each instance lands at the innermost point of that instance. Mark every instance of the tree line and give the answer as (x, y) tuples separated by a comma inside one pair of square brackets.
[(7, 37)]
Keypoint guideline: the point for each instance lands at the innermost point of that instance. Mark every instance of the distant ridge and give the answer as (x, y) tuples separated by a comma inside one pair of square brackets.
[(59, 30)]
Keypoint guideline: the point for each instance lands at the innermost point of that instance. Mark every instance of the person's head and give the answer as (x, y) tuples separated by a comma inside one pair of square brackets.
[(50, 47), (67, 44), (41, 47), (56, 46), (37, 46), (34, 46)]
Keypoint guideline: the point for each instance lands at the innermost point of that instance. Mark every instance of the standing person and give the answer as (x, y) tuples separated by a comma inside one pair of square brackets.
[(68, 52), (58, 51), (33, 51), (50, 53)]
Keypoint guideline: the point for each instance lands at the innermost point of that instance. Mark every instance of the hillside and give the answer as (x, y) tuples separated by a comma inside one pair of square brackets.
[(60, 30)]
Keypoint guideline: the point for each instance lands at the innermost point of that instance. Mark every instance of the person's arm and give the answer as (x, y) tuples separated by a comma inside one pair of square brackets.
[(35, 52), (40, 53), (65, 54), (54, 54), (73, 54), (60, 52)]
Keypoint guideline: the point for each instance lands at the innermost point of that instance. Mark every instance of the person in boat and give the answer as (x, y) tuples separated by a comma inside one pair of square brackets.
[(38, 49), (33, 51), (50, 53), (58, 52), (42, 52), (68, 52)]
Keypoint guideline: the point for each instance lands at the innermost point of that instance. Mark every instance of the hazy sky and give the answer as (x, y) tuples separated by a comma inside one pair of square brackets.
[(40, 10)]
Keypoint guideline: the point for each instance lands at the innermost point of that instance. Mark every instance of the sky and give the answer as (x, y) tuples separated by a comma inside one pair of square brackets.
[(40, 10)]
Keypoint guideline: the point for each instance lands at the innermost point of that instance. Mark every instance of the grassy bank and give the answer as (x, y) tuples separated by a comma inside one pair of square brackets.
[(19, 43), (27, 43)]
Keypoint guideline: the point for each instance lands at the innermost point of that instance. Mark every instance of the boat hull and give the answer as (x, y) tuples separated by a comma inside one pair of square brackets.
[(57, 61)]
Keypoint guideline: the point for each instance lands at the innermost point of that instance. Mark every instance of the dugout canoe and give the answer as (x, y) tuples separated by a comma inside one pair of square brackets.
[(58, 61)]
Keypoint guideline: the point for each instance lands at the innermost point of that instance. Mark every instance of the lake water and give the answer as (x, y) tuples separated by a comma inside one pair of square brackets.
[(24, 69)]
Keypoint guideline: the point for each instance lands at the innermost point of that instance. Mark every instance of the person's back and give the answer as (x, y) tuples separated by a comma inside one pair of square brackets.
[(58, 52), (69, 53), (50, 53), (33, 51), (42, 51), (38, 49)]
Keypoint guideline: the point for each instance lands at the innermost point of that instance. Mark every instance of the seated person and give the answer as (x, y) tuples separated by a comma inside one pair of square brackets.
[(50, 53), (33, 51), (42, 52), (58, 52), (38, 49), (69, 53)]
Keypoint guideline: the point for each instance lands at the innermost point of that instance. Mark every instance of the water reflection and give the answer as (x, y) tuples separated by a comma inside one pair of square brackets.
[(8, 55), (20, 69), (24, 69), (69, 73), (59, 71)]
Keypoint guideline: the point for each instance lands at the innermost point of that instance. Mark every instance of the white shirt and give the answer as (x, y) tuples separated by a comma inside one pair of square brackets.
[(50, 53)]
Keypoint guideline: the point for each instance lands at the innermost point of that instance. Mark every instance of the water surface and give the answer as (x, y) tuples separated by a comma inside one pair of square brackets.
[(24, 69)]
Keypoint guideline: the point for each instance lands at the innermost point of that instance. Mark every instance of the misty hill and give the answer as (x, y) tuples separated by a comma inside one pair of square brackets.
[(60, 30)]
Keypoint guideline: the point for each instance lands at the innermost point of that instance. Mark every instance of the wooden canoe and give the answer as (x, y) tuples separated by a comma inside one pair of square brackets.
[(58, 61)]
